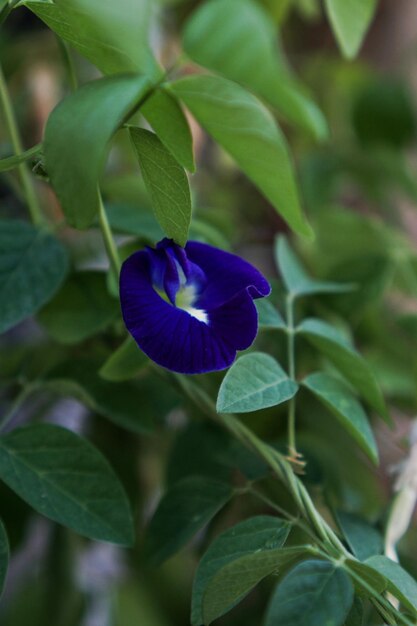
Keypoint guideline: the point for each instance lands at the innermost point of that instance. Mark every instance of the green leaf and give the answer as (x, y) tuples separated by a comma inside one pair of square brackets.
[(363, 539), (356, 370), (113, 36), (245, 129), (80, 127), (63, 477), (350, 20), (183, 510), (118, 402), (268, 315), (255, 381), (33, 265), (296, 280), (11, 162), (166, 183), (217, 36), (355, 617), (399, 582), (125, 363), (367, 574), (337, 397), (166, 117), (252, 536), (235, 580), (82, 308), (313, 593), (4, 556)]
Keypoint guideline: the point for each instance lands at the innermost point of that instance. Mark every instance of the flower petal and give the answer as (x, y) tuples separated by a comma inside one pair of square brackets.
[(172, 337), (226, 274)]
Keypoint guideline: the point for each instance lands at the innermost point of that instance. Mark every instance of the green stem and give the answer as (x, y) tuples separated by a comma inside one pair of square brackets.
[(292, 448), (109, 242), (17, 403), (26, 181), (68, 63)]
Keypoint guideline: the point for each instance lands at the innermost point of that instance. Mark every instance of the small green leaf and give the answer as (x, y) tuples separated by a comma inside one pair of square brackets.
[(252, 536), (350, 20), (33, 265), (82, 308), (399, 582), (338, 349), (337, 397), (268, 315), (313, 593), (125, 363), (245, 129), (255, 381), (166, 117), (217, 36), (296, 280), (11, 162), (80, 127), (184, 510), (4, 556), (363, 539), (117, 402), (166, 183), (113, 36), (63, 477)]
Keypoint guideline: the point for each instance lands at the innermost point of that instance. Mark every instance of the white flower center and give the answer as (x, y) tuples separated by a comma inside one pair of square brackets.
[(185, 299)]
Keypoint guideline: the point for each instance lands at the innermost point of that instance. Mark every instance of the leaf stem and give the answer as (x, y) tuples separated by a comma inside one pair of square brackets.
[(68, 63), (292, 448), (25, 178), (108, 238)]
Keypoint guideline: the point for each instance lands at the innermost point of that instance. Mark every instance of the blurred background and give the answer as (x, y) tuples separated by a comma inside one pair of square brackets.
[(359, 191)]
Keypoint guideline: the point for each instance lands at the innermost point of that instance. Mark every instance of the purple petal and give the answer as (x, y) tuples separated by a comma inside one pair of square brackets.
[(226, 274), (171, 336)]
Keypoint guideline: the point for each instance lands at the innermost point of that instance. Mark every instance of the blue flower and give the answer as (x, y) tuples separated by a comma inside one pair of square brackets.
[(190, 309)]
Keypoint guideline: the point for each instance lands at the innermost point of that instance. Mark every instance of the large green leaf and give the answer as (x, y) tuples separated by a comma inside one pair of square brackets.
[(63, 477), (4, 556), (82, 308), (350, 19), (252, 536), (235, 580), (364, 540), (113, 36), (399, 582), (337, 397), (126, 404), (296, 280), (338, 349), (166, 183), (255, 381), (125, 363), (313, 593), (217, 36), (80, 128), (245, 129), (33, 265), (184, 509), (165, 115)]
